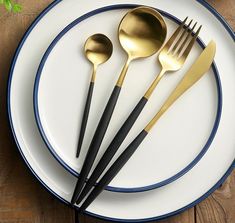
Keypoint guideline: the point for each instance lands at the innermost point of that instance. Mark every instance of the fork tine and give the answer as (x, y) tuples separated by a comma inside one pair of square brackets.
[(175, 34), (181, 37), (186, 40), (190, 45)]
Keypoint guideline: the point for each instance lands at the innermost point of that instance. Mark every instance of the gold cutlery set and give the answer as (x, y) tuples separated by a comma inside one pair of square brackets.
[(142, 33)]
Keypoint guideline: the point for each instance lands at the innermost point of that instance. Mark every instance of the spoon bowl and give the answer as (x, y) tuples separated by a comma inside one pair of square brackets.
[(98, 49), (142, 32)]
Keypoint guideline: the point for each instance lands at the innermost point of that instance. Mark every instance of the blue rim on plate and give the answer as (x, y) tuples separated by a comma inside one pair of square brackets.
[(204, 196), (62, 162)]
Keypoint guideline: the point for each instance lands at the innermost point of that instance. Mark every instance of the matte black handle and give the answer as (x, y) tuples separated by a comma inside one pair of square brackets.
[(96, 142), (113, 170), (85, 118), (112, 148)]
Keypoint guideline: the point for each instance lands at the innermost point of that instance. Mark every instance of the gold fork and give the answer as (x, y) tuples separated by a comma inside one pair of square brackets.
[(175, 52), (172, 57)]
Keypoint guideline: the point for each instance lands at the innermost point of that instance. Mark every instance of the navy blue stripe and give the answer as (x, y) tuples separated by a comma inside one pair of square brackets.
[(230, 169), (219, 17)]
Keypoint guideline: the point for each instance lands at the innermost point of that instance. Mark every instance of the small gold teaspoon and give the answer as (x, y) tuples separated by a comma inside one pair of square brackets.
[(98, 49)]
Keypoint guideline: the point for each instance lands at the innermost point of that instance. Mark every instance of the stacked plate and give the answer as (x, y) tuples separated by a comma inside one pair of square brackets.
[(184, 159)]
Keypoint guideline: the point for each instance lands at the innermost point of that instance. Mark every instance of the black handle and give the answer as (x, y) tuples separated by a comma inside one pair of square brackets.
[(96, 142), (112, 148), (85, 118), (114, 169)]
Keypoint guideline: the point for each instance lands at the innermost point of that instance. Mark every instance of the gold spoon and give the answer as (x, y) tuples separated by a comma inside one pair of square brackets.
[(141, 32), (98, 49)]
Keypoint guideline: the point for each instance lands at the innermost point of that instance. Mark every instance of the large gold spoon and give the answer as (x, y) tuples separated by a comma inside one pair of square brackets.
[(141, 32), (98, 49)]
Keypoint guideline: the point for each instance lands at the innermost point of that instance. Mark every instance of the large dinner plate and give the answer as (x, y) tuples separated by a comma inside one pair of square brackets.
[(197, 184), (170, 150)]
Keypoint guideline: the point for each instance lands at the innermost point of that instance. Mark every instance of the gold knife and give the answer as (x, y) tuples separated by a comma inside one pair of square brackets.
[(197, 70)]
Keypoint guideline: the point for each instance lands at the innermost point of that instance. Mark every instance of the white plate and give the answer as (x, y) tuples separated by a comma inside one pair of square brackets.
[(60, 93), (187, 191)]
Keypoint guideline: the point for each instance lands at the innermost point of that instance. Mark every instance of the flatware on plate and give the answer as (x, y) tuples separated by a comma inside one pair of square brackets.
[(58, 99), (197, 70), (172, 57), (142, 33), (98, 49)]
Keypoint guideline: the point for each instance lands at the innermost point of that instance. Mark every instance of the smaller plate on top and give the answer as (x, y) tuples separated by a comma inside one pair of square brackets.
[(176, 144)]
